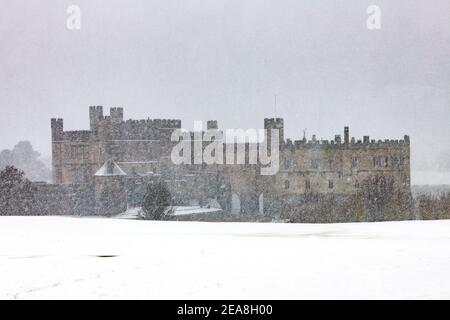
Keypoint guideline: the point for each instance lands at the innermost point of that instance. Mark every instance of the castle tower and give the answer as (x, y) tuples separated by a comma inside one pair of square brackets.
[(57, 127), (116, 115), (95, 114), (274, 123)]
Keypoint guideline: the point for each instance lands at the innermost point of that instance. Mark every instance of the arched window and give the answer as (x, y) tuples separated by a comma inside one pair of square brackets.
[(315, 163), (261, 203), (354, 162), (235, 204)]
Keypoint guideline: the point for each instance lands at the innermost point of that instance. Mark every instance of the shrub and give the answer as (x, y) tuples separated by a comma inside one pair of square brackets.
[(16, 193), (157, 201)]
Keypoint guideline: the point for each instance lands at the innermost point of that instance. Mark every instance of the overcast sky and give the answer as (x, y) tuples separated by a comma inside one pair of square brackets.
[(225, 60)]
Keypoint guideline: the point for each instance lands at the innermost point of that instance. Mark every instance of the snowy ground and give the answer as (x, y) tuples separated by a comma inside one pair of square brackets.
[(63, 257), (178, 211)]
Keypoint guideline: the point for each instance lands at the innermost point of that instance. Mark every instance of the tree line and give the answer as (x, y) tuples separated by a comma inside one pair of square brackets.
[(377, 200)]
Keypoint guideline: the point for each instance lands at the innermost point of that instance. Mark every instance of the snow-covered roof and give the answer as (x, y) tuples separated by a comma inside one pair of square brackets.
[(110, 169), (183, 210)]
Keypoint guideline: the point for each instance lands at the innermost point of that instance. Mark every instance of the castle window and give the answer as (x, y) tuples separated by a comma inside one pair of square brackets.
[(356, 184), (331, 164), (394, 161), (307, 185), (315, 163), (330, 184), (286, 184), (376, 161), (354, 162), (386, 161), (287, 163)]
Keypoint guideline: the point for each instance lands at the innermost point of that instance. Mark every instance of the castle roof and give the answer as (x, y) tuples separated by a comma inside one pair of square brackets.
[(110, 169)]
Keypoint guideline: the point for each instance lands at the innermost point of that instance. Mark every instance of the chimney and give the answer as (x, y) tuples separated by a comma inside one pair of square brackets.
[(346, 135), (212, 125), (337, 138), (366, 139), (406, 138)]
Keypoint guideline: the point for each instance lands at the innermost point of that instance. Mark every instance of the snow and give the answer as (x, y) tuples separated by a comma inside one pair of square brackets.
[(179, 211), (133, 213), (115, 171), (74, 258)]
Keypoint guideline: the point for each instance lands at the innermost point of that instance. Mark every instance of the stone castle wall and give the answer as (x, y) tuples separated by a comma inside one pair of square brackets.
[(337, 166)]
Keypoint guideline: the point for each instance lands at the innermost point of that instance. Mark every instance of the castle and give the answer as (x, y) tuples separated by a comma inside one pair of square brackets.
[(117, 157)]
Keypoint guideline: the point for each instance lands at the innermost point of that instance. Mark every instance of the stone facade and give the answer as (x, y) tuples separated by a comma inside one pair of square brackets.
[(69, 199), (142, 148)]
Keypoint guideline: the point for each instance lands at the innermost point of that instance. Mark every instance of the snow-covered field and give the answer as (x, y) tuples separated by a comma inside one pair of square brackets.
[(63, 257)]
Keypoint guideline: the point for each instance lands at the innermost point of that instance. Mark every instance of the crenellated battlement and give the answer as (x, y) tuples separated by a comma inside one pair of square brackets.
[(154, 123), (348, 143), (114, 127), (95, 115), (274, 123), (298, 144), (116, 114)]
